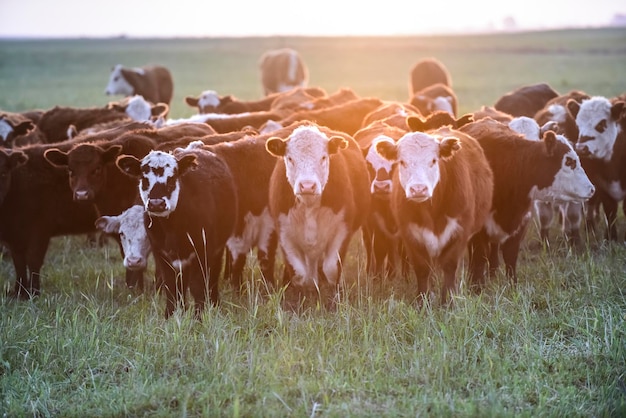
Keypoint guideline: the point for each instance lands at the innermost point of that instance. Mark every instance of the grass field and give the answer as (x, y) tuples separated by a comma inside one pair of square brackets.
[(555, 345)]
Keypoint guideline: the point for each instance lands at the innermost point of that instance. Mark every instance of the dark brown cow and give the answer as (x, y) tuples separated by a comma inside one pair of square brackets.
[(556, 175), (319, 197), (526, 100), (153, 82), (426, 72), (282, 70), (441, 193)]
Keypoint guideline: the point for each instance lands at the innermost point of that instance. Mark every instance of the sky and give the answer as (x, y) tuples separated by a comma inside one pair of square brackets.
[(202, 18)]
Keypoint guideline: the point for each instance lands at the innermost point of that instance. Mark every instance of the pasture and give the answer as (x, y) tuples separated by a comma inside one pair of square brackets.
[(554, 345)]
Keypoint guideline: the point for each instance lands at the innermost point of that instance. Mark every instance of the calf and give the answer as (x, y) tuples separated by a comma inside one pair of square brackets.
[(601, 143), (153, 82), (441, 193), (318, 198), (191, 207), (282, 70), (380, 233), (526, 100), (556, 175), (426, 72)]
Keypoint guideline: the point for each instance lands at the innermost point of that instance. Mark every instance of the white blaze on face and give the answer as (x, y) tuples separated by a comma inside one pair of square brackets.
[(5, 129), (307, 162), (597, 130), (208, 98), (118, 84), (159, 187), (443, 103), (418, 168), (570, 182), (559, 113), (133, 236), (381, 183), (139, 109)]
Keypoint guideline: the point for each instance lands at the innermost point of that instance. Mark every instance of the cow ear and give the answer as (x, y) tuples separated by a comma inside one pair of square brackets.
[(549, 138), (335, 143), (464, 120), (616, 110), (387, 149), (108, 224), (111, 153), (117, 107), (129, 165), (192, 101), (550, 125), (573, 107), (187, 163), (56, 157), (17, 159), (160, 110), (415, 124), (23, 128), (276, 146), (448, 146)]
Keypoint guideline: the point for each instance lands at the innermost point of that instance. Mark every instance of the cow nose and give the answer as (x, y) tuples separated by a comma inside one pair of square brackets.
[(156, 205), (582, 150), (382, 187), (133, 262), (81, 195), (307, 187), (418, 191)]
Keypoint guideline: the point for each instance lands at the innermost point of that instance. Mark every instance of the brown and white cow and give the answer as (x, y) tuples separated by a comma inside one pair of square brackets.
[(282, 70), (433, 98), (442, 189), (319, 197), (153, 82), (426, 72), (601, 144), (210, 102), (556, 175), (191, 207)]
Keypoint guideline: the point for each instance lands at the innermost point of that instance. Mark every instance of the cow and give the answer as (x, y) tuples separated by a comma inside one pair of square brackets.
[(190, 204), (129, 226), (319, 197), (601, 144), (139, 109), (436, 120), (210, 102), (391, 113), (38, 206), (526, 100), (441, 193), (438, 96), (380, 233), (556, 175), (14, 128), (153, 82), (555, 110), (426, 72), (225, 123), (281, 70)]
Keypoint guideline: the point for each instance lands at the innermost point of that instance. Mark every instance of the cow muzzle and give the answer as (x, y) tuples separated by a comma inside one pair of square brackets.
[(82, 195), (156, 206), (418, 193)]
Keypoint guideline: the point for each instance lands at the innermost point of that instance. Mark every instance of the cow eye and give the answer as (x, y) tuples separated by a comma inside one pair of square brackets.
[(96, 171), (570, 162), (122, 235), (116, 78), (433, 162), (290, 160), (402, 163), (601, 126)]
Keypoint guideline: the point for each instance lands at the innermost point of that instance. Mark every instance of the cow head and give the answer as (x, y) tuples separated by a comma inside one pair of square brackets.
[(118, 84), (12, 127), (9, 161), (133, 236), (159, 174), (570, 182), (139, 109), (85, 164), (306, 153), (598, 125), (207, 102), (417, 156), (380, 169)]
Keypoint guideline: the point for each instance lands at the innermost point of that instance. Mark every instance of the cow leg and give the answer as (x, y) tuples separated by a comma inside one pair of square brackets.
[(545, 215), (21, 286), (572, 213), (478, 249), (610, 210), (171, 284), (494, 259), (449, 281), (35, 255), (510, 252), (235, 266), (267, 260)]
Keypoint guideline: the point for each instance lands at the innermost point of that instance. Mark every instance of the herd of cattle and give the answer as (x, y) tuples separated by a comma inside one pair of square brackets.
[(303, 171)]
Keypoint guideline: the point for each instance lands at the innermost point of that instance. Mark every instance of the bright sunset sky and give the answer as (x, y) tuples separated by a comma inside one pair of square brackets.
[(165, 18)]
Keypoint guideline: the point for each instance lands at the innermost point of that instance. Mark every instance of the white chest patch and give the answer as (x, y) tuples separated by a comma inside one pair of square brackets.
[(497, 234), (256, 232), (311, 238), (434, 244)]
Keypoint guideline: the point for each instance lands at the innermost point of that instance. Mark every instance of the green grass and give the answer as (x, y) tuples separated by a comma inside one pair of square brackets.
[(555, 345)]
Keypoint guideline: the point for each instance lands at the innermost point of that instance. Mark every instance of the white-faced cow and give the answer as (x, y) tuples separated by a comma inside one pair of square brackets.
[(210, 102), (191, 207), (282, 70), (12, 127), (153, 82), (433, 98), (556, 175), (601, 143), (319, 197), (130, 227), (426, 72), (441, 194)]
